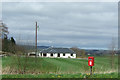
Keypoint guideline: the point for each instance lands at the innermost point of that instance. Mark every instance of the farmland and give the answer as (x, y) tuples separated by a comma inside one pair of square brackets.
[(57, 68)]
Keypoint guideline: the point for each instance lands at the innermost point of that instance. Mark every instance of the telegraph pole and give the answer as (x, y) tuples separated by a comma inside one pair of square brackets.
[(36, 39)]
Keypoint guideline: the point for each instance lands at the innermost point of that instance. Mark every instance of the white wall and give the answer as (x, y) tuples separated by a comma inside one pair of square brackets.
[(31, 53), (55, 55), (68, 55)]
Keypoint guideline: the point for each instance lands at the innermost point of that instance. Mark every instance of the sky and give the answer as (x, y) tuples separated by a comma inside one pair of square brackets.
[(90, 25)]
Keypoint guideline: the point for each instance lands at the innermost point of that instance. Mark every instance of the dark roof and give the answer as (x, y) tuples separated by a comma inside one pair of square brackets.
[(57, 50)]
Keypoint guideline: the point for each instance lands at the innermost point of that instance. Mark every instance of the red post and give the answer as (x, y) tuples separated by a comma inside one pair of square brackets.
[(90, 63)]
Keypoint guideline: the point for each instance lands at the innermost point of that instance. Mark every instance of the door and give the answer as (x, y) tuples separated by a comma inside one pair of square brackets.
[(58, 54)]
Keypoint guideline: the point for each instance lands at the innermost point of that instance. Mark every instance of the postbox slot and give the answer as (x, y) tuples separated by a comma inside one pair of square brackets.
[(90, 59)]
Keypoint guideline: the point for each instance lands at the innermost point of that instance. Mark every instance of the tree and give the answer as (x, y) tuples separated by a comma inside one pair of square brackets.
[(3, 30), (79, 52), (13, 41), (5, 45), (76, 50), (12, 46), (3, 36), (112, 51), (82, 51)]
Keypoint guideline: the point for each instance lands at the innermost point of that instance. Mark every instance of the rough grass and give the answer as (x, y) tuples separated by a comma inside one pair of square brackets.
[(78, 75), (45, 67)]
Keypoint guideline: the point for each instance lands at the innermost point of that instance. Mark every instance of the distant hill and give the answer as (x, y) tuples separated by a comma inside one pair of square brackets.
[(96, 52), (87, 51), (29, 47), (42, 47)]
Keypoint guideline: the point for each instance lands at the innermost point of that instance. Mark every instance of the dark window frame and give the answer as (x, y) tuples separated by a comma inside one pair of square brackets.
[(63, 54), (58, 55), (44, 54), (51, 54), (71, 54)]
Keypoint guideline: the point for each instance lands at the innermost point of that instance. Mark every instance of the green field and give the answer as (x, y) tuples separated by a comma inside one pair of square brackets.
[(57, 68)]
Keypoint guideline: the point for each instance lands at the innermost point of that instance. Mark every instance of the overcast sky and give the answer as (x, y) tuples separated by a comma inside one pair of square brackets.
[(81, 24)]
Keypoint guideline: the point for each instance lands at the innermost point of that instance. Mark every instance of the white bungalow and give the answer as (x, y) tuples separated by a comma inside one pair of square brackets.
[(31, 54), (58, 53)]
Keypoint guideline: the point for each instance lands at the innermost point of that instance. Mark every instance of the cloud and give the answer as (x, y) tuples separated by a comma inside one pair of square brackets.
[(61, 1), (63, 24)]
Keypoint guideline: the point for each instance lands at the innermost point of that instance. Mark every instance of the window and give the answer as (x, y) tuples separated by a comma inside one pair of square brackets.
[(51, 54), (44, 54), (58, 54), (64, 54), (71, 54), (32, 54)]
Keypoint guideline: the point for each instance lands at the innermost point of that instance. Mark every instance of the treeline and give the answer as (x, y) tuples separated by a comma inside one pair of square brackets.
[(8, 45)]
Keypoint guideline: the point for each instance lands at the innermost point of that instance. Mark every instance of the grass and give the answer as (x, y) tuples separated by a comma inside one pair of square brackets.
[(58, 67), (78, 75)]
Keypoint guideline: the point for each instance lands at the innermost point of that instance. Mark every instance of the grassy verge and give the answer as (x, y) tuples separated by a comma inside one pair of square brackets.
[(79, 75), (58, 67)]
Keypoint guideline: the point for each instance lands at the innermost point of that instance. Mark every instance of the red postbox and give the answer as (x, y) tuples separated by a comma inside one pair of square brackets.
[(91, 61)]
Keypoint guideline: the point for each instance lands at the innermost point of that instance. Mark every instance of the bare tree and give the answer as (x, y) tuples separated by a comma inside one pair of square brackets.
[(79, 52), (21, 58), (76, 50), (3, 30), (112, 51), (3, 35), (82, 51)]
